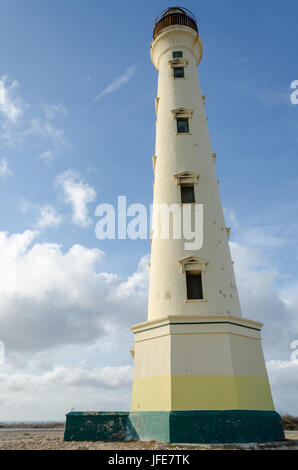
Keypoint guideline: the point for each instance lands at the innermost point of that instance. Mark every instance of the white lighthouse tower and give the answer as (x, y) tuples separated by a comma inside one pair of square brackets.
[(199, 370)]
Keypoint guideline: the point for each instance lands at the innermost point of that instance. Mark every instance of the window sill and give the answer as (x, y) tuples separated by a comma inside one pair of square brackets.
[(189, 301), (183, 133)]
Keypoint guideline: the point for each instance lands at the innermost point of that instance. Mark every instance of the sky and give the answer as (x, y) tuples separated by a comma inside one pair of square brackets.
[(77, 128)]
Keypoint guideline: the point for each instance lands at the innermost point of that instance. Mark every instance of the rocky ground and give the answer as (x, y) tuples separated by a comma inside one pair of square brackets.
[(53, 440)]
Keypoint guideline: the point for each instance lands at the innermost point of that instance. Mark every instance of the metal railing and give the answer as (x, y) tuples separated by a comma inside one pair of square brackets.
[(174, 16)]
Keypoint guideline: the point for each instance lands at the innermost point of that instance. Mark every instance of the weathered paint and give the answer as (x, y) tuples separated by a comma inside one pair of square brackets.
[(96, 426), (180, 153), (238, 426), (229, 426), (150, 426)]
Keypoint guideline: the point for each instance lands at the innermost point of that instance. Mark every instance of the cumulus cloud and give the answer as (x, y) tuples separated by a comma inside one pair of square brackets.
[(45, 214), (49, 217), (117, 83), (283, 376), (50, 298), (262, 298), (106, 377), (136, 284), (78, 195), (62, 322), (31, 395), (4, 170), (10, 104), (53, 299), (268, 294), (283, 373)]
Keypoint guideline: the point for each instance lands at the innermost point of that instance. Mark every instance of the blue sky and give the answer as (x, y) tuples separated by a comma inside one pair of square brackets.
[(62, 53), (77, 128)]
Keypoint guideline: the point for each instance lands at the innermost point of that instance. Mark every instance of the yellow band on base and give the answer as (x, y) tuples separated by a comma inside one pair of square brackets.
[(201, 392)]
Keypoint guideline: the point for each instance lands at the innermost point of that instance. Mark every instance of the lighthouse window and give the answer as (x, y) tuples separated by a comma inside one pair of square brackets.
[(178, 72), (177, 54), (182, 125), (187, 194), (194, 285)]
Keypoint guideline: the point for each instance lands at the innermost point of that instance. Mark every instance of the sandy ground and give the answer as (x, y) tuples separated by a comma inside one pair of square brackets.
[(53, 440)]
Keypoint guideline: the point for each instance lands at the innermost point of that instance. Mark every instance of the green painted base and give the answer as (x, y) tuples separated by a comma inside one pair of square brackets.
[(213, 427), (96, 426)]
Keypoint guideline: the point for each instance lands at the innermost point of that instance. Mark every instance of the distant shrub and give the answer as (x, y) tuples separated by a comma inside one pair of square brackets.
[(290, 423)]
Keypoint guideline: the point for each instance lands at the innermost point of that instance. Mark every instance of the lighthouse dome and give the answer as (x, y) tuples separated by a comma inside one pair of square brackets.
[(174, 16)]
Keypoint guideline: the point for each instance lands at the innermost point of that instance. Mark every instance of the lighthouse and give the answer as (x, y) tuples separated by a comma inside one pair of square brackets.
[(199, 369)]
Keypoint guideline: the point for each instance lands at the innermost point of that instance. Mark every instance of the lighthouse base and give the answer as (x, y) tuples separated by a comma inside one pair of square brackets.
[(212, 427), (192, 426)]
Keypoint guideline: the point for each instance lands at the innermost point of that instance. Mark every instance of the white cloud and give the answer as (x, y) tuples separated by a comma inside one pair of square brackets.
[(27, 206), (47, 156), (49, 217), (51, 394), (283, 376), (57, 298), (230, 217), (118, 82), (4, 170), (61, 300), (66, 329), (136, 284), (283, 373), (37, 130), (51, 110), (51, 133), (10, 105), (107, 377), (55, 136), (77, 194), (258, 238), (45, 214), (263, 299)]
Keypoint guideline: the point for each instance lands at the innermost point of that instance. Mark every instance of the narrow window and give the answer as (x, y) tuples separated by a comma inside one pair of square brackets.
[(187, 194), (178, 72), (182, 125), (194, 285), (177, 54)]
